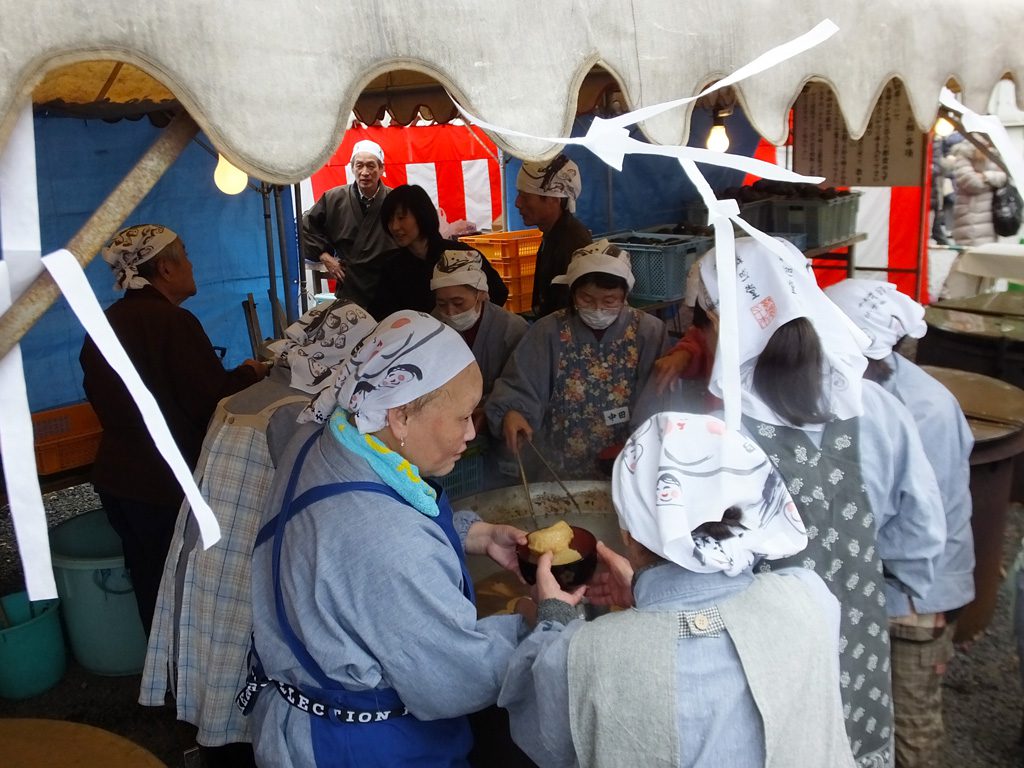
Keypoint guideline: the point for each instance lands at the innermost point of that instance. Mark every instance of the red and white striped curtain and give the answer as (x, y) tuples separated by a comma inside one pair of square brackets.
[(456, 164)]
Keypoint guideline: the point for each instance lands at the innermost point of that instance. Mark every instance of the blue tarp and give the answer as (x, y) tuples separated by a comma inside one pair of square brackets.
[(79, 163), (649, 190)]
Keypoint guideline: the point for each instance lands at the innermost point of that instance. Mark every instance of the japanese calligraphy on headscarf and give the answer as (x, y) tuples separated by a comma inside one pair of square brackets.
[(681, 470), (771, 290), (408, 355), (881, 311), (558, 177), (319, 341), (133, 246)]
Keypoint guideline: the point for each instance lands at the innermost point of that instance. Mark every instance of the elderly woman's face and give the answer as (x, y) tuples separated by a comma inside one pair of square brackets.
[(456, 299), (439, 431)]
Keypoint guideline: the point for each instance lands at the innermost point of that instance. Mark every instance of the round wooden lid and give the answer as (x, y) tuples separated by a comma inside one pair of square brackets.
[(974, 324), (994, 409)]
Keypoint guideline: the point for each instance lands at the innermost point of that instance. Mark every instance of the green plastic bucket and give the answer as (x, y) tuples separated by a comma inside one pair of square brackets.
[(32, 657), (96, 596)]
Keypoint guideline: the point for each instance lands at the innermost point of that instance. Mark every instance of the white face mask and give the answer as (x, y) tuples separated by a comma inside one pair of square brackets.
[(598, 319), (464, 320)]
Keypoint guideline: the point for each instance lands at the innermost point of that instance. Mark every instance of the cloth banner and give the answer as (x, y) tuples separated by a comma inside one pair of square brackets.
[(456, 164)]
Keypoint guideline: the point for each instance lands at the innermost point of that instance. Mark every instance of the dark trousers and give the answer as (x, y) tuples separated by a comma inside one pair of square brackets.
[(145, 531)]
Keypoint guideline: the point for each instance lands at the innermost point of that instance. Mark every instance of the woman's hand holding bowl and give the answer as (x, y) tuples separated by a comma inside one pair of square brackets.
[(498, 542), (548, 588), (612, 586)]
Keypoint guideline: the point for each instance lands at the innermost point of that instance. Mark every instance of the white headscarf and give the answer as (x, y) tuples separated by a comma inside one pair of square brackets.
[(459, 268), (133, 246), (408, 355), (601, 256), (881, 311), (558, 177), (681, 470), (771, 291), (315, 344), (369, 147)]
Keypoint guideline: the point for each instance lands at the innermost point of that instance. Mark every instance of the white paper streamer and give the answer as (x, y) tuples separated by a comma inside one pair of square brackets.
[(19, 225), (993, 127), (20, 473), (68, 274), (609, 139)]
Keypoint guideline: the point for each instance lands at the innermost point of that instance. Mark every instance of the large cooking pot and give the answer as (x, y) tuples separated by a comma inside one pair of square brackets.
[(497, 588)]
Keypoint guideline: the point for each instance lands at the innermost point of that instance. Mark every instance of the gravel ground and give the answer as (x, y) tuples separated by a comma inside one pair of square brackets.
[(983, 703)]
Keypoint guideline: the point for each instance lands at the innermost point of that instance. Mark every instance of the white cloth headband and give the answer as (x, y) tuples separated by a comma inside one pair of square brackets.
[(459, 268), (369, 147), (133, 246), (319, 341), (558, 177), (771, 290), (408, 355), (679, 471), (881, 311), (601, 256)]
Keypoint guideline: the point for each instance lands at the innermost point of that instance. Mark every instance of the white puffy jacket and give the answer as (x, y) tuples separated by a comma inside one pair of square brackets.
[(974, 176)]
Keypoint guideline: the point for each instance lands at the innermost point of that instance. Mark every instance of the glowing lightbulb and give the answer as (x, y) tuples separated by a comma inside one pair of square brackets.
[(943, 128), (718, 139), (229, 180)]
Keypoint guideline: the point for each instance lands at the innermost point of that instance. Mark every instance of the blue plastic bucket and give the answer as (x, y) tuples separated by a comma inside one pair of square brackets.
[(96, 596), (32, 657)]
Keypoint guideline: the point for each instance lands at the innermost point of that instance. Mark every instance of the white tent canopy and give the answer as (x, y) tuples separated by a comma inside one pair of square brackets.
[(273, 83)]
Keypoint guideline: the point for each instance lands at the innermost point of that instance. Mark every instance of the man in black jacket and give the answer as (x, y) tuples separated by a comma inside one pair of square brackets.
[(547, 200)]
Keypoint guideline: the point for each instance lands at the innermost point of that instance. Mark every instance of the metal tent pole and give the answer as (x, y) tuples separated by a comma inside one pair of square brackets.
[(286, 272), (268, 228), (100, 227), (299, 234)]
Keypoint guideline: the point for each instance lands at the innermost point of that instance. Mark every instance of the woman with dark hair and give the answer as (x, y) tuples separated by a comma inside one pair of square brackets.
[(409, 216), (851, 458), (577, 373)]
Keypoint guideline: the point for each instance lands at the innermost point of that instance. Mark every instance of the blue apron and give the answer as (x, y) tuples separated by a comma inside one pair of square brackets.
[(395, 741)]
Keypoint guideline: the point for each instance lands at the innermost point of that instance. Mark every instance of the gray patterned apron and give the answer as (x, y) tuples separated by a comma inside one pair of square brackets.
[(827, 487)]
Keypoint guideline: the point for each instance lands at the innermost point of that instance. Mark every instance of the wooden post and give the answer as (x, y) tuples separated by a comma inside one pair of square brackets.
[(100, 227)]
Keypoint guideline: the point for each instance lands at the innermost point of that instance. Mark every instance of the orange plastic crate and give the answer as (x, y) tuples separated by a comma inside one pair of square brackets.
[(520, 294), (66, 438), (512, 254)]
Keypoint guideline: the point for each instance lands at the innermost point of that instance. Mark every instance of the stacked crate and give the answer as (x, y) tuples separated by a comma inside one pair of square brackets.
[(514, 256)]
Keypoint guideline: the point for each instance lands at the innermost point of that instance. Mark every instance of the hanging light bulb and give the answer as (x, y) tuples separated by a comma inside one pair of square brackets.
[(943, 127), (229, 179), (718, 139)]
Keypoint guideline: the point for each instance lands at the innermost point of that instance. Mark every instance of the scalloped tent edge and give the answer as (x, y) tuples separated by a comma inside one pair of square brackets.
[(295, 100)]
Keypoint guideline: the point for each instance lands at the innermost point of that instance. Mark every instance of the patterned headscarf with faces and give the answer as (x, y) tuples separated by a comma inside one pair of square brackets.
[(558, 177), (319, 341), (133, 246), (681, 470), (408, 355)]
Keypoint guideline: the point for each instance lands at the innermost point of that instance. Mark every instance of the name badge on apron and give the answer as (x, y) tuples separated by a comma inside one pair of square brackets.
[(615, 416)]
